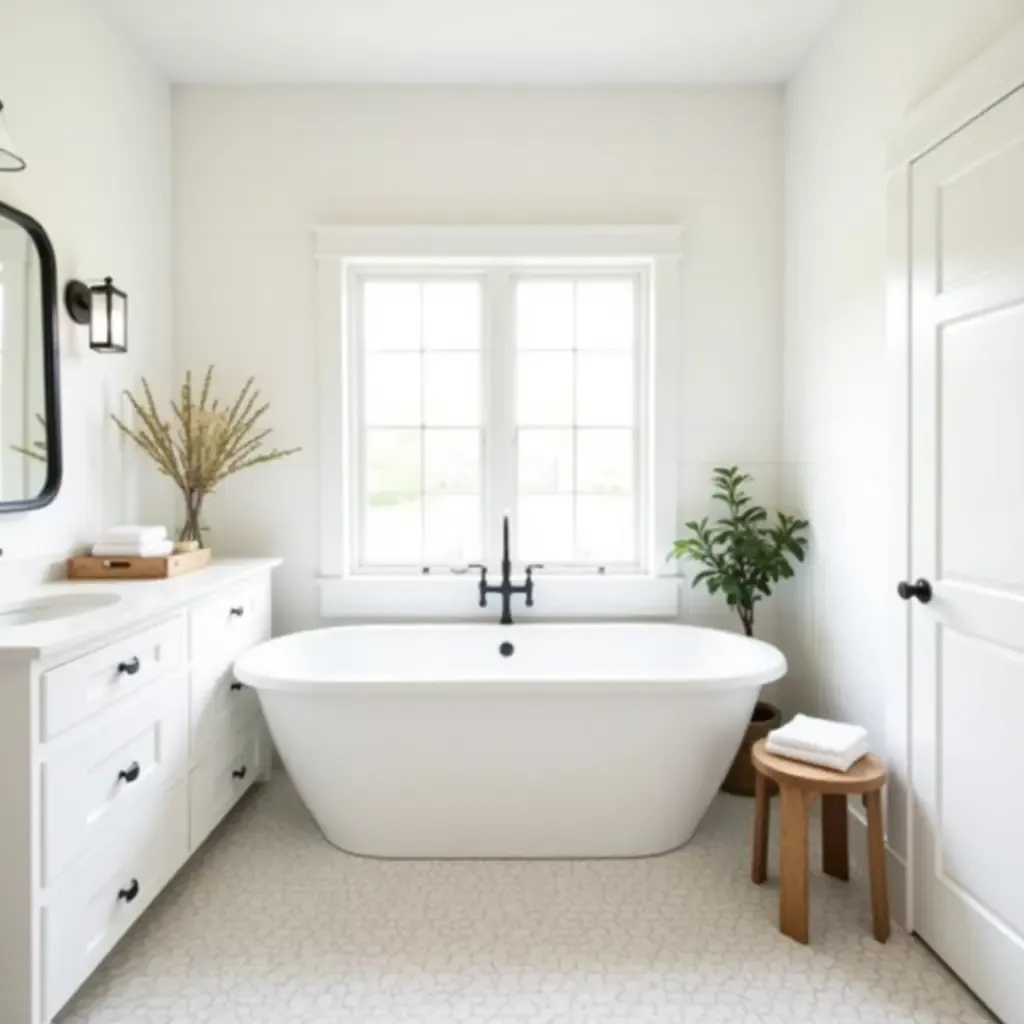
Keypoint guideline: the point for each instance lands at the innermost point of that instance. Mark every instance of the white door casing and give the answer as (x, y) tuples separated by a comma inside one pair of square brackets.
[(966, 650)]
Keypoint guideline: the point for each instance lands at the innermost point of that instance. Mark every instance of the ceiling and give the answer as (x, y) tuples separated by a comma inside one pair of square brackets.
[(475, 41)]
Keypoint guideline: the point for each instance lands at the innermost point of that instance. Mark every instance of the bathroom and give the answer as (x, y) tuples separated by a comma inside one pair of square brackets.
[(246, 175)]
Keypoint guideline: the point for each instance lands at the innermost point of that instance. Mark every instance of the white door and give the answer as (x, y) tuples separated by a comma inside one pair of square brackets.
[(967, 541)]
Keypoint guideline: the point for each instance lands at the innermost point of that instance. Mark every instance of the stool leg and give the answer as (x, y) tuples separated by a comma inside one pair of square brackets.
[(793, 891), (762, 819), (835, 840), (876, 866)]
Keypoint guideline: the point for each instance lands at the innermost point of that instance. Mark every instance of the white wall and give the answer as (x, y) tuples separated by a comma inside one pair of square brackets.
[(878, 61), (92, 119), (256, 169)]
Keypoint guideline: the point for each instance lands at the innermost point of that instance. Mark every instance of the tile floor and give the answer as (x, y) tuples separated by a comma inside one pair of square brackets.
[(271, 925)]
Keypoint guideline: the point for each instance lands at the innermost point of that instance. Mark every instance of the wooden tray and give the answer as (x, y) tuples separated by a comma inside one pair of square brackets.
[(86, 567)]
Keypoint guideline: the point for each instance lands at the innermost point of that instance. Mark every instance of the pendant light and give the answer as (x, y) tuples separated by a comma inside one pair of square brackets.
[(9, 159)]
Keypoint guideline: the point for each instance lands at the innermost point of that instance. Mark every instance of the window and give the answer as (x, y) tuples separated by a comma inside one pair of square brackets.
[(470, 371), (479, 389), (578, 396), (420, 345)]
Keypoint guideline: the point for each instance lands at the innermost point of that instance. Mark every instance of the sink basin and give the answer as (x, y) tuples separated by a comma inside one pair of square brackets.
[(59, 606)]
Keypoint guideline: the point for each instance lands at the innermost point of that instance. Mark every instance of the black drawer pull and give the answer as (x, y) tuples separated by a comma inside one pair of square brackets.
[(129, 668), (236, 686), (129, 774), (237, 612), (240, 773), (130, 893)]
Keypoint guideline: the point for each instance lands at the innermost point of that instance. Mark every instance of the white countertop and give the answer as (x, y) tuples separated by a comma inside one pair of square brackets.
[(139, 600)]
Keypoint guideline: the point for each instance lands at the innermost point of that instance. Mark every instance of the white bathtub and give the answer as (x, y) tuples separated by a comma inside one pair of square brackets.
[(586, 741)]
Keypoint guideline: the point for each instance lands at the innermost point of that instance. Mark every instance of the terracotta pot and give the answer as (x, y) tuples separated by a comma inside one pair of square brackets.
[(740, 780)]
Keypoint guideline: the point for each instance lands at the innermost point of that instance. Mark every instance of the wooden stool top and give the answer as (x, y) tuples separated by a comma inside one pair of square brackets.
[(866, 776)]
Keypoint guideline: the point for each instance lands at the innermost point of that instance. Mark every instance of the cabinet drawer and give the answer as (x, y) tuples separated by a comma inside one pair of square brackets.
[(220, 706), (225, 626), (112, 776), (79, 689), (216, 784), (85, 916)]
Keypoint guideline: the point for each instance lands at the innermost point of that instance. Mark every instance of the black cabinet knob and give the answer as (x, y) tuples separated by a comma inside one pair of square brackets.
[(237, 612), (922, 590), (129, 668), (130, 893), (236, 686), (129, 774), (240, 773)]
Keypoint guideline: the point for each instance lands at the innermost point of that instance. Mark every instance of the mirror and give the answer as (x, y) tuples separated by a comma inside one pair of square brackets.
[(30, 448)]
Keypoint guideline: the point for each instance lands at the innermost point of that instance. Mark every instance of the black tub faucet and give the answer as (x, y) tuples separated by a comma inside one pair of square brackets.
[(507, 587)]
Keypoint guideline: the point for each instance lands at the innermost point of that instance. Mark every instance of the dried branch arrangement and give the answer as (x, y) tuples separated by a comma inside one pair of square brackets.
[(38, 450), (204, 444)]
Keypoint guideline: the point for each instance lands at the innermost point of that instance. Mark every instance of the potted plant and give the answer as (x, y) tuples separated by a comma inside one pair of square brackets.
[(207, 442), (742, 556)]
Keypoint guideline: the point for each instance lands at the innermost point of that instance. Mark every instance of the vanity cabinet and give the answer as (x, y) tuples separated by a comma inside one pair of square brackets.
[(124, 741)]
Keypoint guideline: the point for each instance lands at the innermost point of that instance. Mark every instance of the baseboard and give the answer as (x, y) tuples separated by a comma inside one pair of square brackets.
[(895, 866)]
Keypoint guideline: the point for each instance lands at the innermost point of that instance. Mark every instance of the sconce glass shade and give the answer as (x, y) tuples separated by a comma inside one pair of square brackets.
[(9, 159), (108, 325)]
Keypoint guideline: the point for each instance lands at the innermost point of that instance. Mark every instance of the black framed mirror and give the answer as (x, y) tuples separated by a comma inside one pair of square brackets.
[(31, 460)]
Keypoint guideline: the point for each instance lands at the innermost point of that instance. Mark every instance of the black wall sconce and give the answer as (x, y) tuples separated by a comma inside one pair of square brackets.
[(104, 308)]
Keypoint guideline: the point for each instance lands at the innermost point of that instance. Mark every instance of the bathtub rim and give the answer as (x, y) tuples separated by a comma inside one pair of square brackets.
[(247, 670)]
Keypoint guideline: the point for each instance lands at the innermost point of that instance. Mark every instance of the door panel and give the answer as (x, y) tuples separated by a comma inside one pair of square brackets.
[(977, 849), (973, 246), (967, 537), (982, 484)]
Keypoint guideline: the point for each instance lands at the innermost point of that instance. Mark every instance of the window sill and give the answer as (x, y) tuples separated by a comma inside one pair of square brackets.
[(382, 599)]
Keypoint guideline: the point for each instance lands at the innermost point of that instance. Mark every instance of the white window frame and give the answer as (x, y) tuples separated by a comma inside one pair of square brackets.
[(655, 251)]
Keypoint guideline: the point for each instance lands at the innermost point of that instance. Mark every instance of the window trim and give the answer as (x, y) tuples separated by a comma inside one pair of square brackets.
[(653, 592)]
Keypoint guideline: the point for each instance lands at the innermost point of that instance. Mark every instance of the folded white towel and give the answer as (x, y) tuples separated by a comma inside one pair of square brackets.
[(820, 736), (841, 762), (135, 535), (153, 549)]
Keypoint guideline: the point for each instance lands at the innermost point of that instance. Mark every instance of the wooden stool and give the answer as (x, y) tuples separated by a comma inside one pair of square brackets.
[(798, 785)]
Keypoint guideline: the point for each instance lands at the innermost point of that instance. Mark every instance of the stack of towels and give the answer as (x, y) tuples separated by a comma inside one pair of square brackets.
[(134, 542), (818, 741)]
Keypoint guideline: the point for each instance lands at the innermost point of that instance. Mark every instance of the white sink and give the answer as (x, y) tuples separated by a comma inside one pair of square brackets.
[(59, 606)]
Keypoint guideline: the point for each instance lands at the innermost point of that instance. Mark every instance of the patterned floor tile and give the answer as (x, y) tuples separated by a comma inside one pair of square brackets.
[(270, 925)]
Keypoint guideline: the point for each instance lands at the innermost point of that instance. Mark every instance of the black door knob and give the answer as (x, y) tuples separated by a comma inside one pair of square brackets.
[(129, 774), (129, 668), (130, 893), (922, 590), (240, 773)]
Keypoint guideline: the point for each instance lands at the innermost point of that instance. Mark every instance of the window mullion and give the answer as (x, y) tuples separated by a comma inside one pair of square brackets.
[(354, 432), (575, 421), (499, 419), (423, 432)]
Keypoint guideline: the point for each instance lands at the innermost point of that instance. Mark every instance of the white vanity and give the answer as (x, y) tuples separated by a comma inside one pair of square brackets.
[(124, 740)]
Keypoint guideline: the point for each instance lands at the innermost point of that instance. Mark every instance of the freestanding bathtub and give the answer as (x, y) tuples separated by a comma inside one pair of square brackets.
[(568, 740)]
